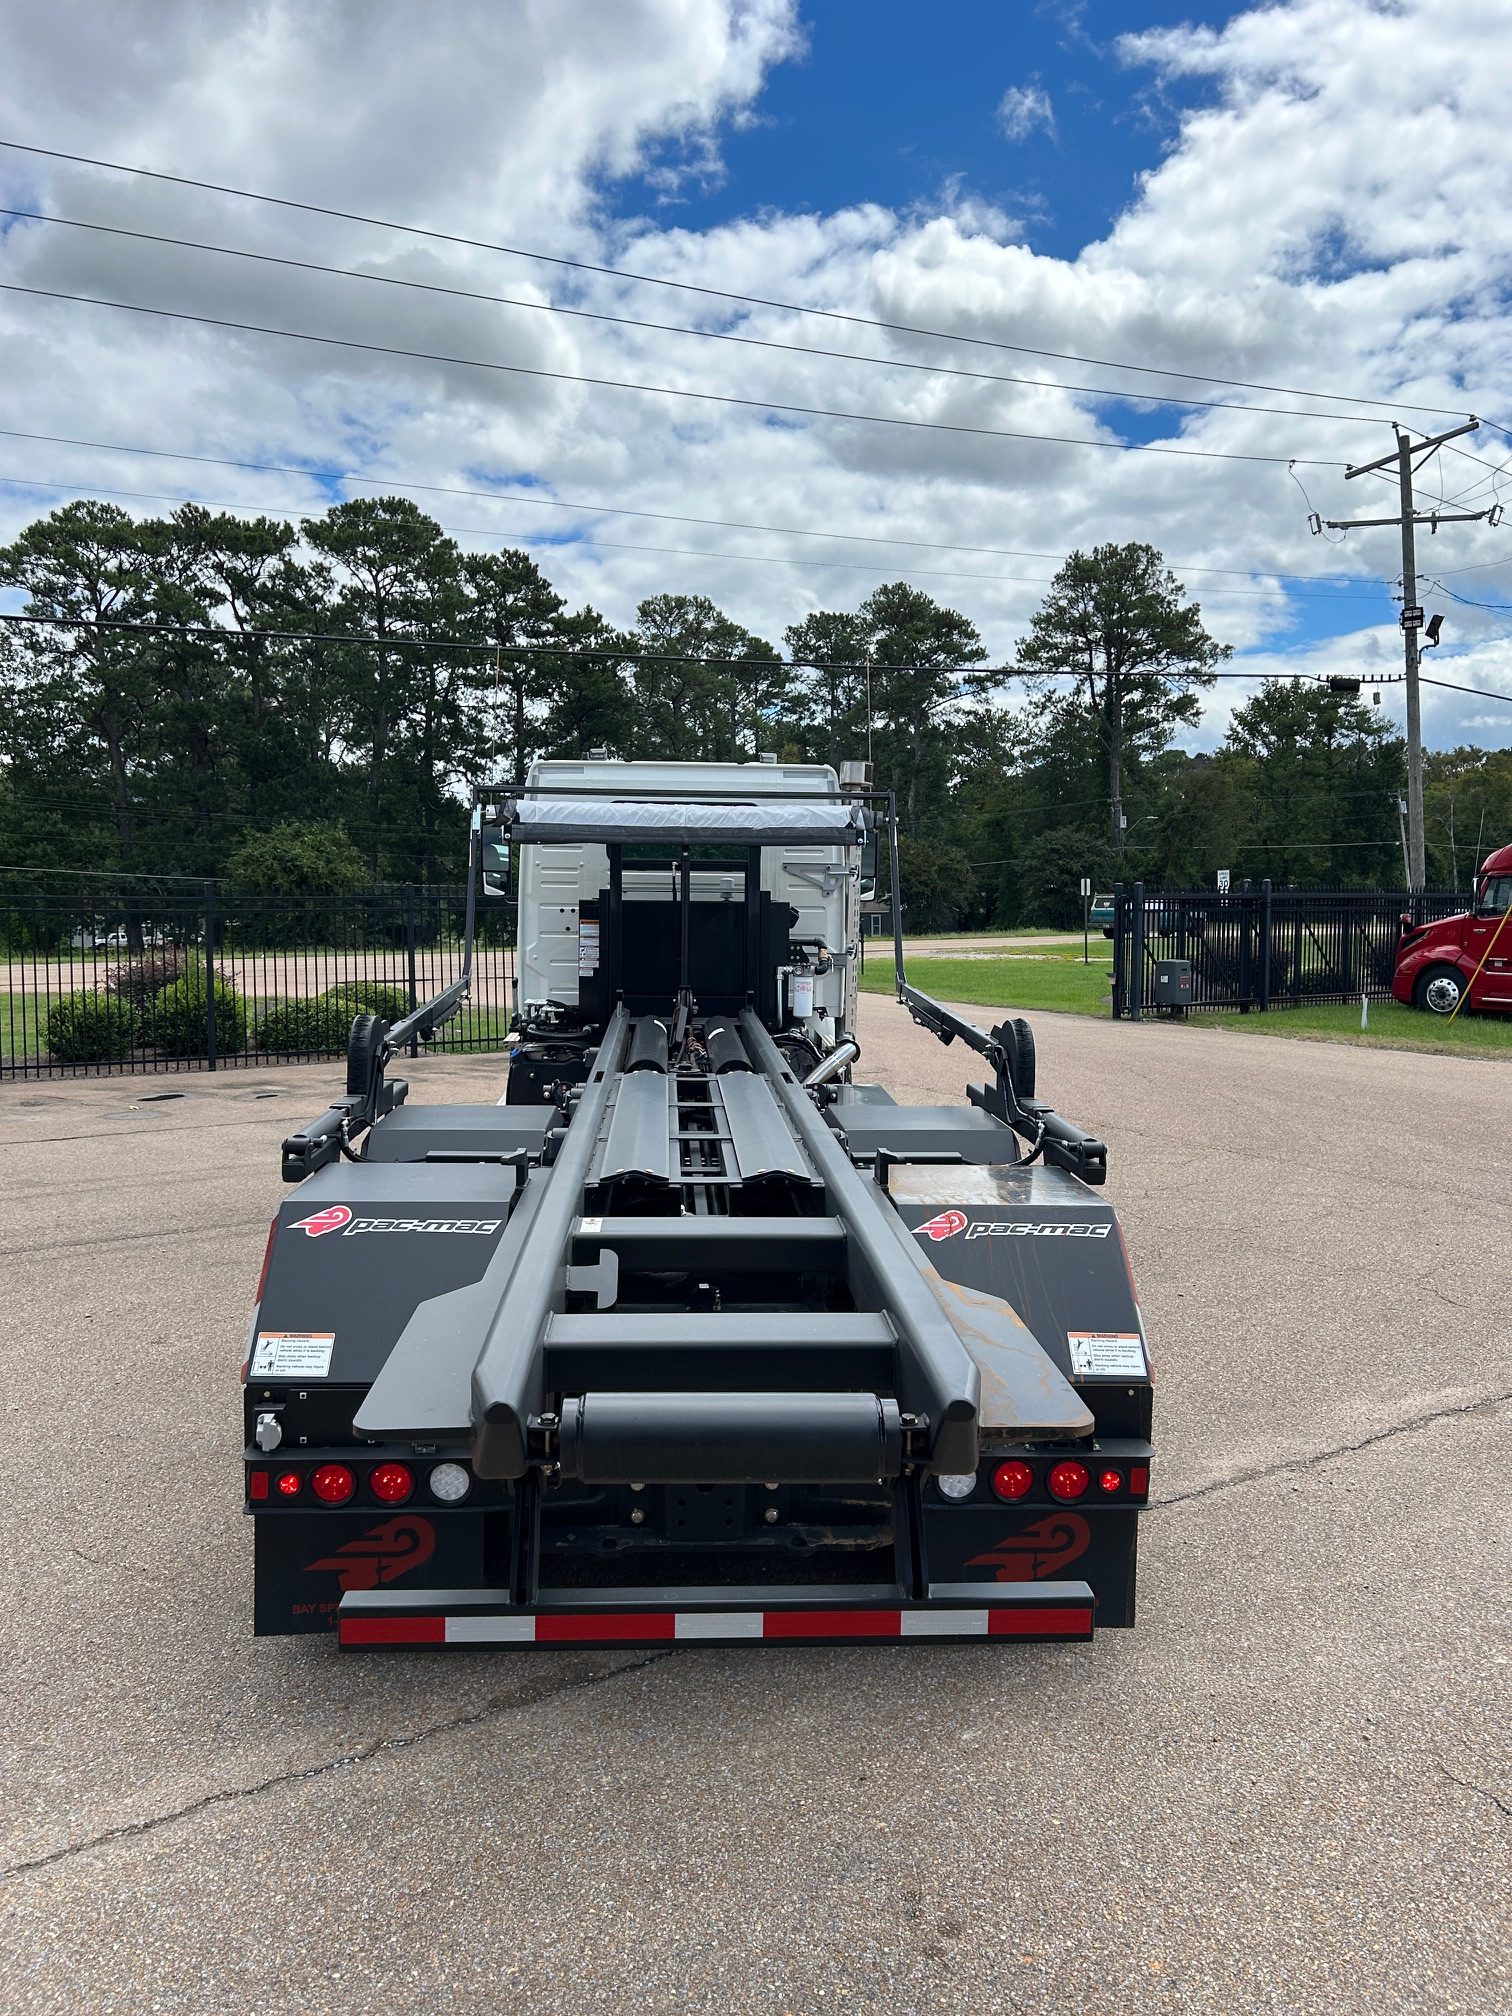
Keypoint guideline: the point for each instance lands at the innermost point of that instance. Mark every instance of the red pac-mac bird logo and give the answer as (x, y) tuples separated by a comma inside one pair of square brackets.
[(1039, 1550), (382, 1554), (331, 1219), (944, 1225)]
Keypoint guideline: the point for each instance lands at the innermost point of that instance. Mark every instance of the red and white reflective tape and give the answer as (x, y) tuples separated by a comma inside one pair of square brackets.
[(604, 1627)]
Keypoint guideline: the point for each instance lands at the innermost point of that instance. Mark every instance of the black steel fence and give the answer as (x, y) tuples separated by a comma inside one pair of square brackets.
[(1255, 949), (96, 978)]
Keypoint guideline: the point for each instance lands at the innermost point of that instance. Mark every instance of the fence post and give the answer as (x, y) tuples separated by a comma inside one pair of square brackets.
[(1136, 954), (210, 973), (1120, 961), (1245, 948), (1265, 944), (409, 952)]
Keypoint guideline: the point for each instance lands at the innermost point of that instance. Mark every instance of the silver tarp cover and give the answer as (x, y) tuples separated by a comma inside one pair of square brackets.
[(767, 822)]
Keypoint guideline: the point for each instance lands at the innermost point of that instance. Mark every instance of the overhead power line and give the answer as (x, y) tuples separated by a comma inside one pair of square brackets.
[(303, 517), (536, 500), (658, 391), (1501, 608), (712, 293), (624, 651), (684, 329)]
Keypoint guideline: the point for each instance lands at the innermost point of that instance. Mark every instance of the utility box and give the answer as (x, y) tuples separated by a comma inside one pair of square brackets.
[(1173, 983)]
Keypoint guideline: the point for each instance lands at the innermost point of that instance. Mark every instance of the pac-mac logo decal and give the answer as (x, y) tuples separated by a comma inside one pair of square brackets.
[(1039, 1550), (382, 1554), (944, 1225), (331, 1219)]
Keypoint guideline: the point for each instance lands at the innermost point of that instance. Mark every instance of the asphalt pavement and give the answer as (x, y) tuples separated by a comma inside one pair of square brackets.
[(1287, 1789)]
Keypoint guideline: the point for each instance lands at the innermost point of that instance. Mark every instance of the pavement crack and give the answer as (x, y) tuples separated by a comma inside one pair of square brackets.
[(1481, 1791), (96, 1240), (381, 1746), (1299, 1465)]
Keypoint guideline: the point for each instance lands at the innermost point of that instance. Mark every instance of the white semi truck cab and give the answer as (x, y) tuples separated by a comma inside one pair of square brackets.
[(794, 955)]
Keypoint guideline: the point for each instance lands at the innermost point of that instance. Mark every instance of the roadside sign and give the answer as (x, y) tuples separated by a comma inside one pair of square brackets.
[(1412, 616), (1086, 885), (1223, 881)]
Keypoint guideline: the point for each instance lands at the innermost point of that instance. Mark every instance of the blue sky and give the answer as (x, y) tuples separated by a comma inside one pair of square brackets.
[(1221, 191), (894, 103)]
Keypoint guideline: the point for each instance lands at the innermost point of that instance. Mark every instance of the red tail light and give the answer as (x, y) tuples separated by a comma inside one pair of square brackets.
[(333, 1483), (1110, 1480), (257, 1484), (288, 1484), (392, 1483), (1012, 1481), (1069, 1480)]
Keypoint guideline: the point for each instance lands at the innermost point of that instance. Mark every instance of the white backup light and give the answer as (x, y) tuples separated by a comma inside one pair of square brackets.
[(957, 1487), (450, 1483)]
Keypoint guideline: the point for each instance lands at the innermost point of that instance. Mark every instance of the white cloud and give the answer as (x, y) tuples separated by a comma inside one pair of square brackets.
[(1284, 237), (1024, 109)]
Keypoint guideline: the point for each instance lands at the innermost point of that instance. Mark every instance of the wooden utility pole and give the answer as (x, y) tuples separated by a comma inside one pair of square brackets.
[(1412, 614)]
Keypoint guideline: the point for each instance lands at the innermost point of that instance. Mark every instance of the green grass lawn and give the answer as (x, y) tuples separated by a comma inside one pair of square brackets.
[(1392, 1027), (23, 1025), (1061, 983), (1029, 980)]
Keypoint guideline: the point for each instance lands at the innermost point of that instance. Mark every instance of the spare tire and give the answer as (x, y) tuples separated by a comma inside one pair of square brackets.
[(365, 1041), (1024, 1076)]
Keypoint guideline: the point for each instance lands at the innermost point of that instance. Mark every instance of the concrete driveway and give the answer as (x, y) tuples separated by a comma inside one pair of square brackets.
[(1286, 1790)]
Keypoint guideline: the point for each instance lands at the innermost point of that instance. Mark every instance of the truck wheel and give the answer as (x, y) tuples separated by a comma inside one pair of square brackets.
[(364, 1041), (1440, 990), (1024, 1076)]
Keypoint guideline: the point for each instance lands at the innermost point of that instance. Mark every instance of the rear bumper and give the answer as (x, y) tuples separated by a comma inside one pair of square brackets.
[(1058, 1612)]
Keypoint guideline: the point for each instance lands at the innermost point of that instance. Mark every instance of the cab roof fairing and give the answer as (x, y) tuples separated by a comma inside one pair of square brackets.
[(702, 822)]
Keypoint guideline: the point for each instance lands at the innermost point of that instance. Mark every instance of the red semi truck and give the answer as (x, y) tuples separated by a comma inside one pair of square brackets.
[(1438, 964)]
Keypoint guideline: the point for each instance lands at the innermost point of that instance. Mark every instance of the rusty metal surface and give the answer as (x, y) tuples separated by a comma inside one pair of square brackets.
[(1022, 1391)]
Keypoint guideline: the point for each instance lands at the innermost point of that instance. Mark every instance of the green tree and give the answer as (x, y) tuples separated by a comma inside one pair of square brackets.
[(923, 658), (712, 709), (1205, 805), (1114, 647), (935, 884), (1324, 776), (80, 699), (1051, 867), (1467, 810), (398, 578), (829, 652), (514, 609), (589, 701)]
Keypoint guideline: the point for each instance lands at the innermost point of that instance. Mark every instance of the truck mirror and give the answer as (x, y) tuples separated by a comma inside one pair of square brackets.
[(495, 849), (869, 865)]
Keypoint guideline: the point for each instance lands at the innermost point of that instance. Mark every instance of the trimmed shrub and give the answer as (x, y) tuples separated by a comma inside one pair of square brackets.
[(178, 1019), (321, 1022), (138, 980), (370, 997), (91, 1027)]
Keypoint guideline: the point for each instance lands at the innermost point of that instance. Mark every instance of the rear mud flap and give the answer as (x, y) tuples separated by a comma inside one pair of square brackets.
[(994, 1544), (304, 1565)]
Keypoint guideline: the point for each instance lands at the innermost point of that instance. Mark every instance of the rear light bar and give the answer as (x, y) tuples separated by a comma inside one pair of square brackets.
[(1066, 1480), (1069, 1618), (334, 1485)]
